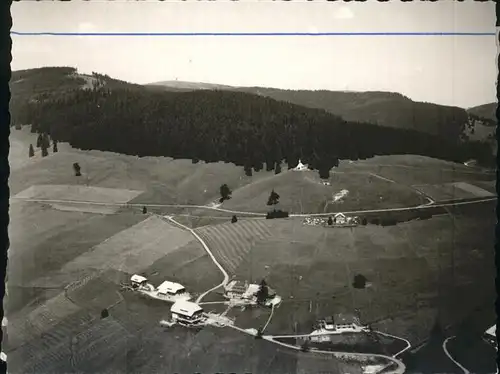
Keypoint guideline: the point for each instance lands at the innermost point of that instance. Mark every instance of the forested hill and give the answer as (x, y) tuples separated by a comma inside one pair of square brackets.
[(488, 111), (210, 125), (382, 108)]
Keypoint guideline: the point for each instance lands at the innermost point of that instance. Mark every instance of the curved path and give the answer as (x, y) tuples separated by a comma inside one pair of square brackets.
[(408, 344), (451, 357), (224, 273), (338, 354)]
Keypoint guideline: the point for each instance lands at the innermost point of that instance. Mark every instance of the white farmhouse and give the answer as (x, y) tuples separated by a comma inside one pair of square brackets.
[(138, 281), (187, 313), (173, 291)]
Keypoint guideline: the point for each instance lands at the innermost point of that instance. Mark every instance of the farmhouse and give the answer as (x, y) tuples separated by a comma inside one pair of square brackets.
[(340, 218), (243, 292), (187, 313), (138, 281), (171, 289), (340, 323)]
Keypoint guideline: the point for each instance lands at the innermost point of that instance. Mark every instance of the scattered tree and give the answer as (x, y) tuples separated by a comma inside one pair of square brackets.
[(144, 210), (234, 219), (45, 150), (39, 140), (330, 221), (248, 170), (359, 281), (263, 292), (364, 221), (324, 172), (305, 346), (276, 213), (277, 169), (273, 198), (54, 147), (31, 151), (104, 313), (77, 169), (225, 193)]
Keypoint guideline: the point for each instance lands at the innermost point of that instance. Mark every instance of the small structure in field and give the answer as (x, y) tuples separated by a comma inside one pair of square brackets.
[(490, 336), (187, 313), (300, 167)]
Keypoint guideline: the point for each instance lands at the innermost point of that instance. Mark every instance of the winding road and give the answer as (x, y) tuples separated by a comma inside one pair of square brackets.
[(271, 338), (451, 357), (205, 246)]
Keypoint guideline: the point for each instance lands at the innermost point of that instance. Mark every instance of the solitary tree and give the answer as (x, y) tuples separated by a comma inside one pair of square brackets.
[(324, 172), (54, 146), (144, 210), (31, 151), (359, 281), (77, 169), (330, 221), (104, 313), (277, 169), (225, 193), (234, 219), (273, 198), (263, 292), (364, 221), (45, 150)]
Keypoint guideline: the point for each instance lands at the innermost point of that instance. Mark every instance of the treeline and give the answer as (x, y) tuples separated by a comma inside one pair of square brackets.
[(241, 128)]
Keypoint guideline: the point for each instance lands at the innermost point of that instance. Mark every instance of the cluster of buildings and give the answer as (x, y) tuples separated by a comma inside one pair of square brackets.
[(337, 324), (167, 291), (337, 220), (187, 313), (243, 293)]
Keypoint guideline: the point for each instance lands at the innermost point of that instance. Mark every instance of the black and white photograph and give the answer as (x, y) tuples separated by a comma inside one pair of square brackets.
[(252, 187)]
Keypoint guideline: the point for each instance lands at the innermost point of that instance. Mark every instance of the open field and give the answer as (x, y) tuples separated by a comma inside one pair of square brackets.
[(233, 241), (413, 268), (302, 192), (73, 193), (456, 190), (313, 270)]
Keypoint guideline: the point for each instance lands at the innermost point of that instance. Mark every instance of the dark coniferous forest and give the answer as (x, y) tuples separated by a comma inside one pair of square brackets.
[(242, 128)]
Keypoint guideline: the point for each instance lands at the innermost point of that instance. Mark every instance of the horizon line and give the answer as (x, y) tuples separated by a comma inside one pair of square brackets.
[(436, 33)]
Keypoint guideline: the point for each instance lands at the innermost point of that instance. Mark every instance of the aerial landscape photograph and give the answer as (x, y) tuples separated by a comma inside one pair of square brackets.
[(252, 187)]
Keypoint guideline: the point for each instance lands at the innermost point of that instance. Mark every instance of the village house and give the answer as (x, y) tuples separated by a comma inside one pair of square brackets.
[(238, 290), (187, 313), (171, 289), (138, 281), (337, 324)]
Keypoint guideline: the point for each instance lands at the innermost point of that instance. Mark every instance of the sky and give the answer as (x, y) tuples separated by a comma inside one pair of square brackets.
[(449, 70)]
